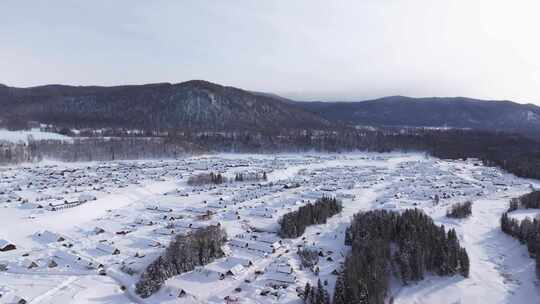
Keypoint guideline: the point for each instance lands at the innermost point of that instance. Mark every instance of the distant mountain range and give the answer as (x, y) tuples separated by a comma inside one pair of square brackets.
[(457, 112), (203, 106)]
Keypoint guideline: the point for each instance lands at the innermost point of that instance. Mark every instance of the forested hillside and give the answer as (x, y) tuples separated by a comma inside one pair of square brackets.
[(459, 112), (197, 105), (188, 106)]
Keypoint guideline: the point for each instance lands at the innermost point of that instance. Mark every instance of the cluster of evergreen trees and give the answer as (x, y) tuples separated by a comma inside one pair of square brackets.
[(526, 231), (293, 224), (206, 179), (315, 294), (460, 210), (409, 244), (308, 257), (527, 201), (246, 177), (104, 149), (14, 153), (184, 253)]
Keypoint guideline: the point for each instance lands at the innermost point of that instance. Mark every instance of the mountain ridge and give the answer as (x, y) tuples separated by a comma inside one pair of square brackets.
[(458, 112), (192, 105), (199, 105)]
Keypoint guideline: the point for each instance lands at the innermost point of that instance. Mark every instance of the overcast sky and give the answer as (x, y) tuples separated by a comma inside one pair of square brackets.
[(311, 49)]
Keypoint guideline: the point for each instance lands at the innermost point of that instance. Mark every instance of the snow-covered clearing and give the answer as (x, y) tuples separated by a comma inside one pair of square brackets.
[(35, 134)]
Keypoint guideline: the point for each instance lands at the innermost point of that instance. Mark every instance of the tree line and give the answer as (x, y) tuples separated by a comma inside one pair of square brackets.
[(530, 200), (294, 224), (515, 153), (460, 210), (11, 153), (250, 176), (527, 231), (407, 244), (206, 179), (217, 178), (183, 254), (315, 294), (308, 257)]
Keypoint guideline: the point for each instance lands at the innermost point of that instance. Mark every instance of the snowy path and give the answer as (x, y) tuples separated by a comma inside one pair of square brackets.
[(51, 293)]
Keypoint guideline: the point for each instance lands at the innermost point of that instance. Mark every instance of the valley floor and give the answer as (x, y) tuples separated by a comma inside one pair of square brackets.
[(84, 232)]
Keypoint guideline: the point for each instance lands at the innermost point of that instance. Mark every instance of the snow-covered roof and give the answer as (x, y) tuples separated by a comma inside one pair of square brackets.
[(107, 248), (47, 236), (225, 266), (280, 277), (4, 243), (11, 298)]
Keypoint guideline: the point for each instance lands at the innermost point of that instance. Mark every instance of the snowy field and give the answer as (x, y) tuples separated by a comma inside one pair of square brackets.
[(34, 134), (84, 232)]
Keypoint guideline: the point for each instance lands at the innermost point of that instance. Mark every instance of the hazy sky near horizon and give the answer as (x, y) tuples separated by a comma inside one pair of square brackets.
[(310, 49)]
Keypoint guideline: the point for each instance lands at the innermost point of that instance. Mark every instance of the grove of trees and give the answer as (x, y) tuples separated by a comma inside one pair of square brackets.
[(316, 294), (460, 210), (527, 231), (293, 224), (308, 257), (250, 176), (527, 201), (385, 242), (206, 179), (183, 254)]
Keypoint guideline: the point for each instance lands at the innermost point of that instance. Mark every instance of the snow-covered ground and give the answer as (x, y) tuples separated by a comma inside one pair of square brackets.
[(72, 222), (34, 134)]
